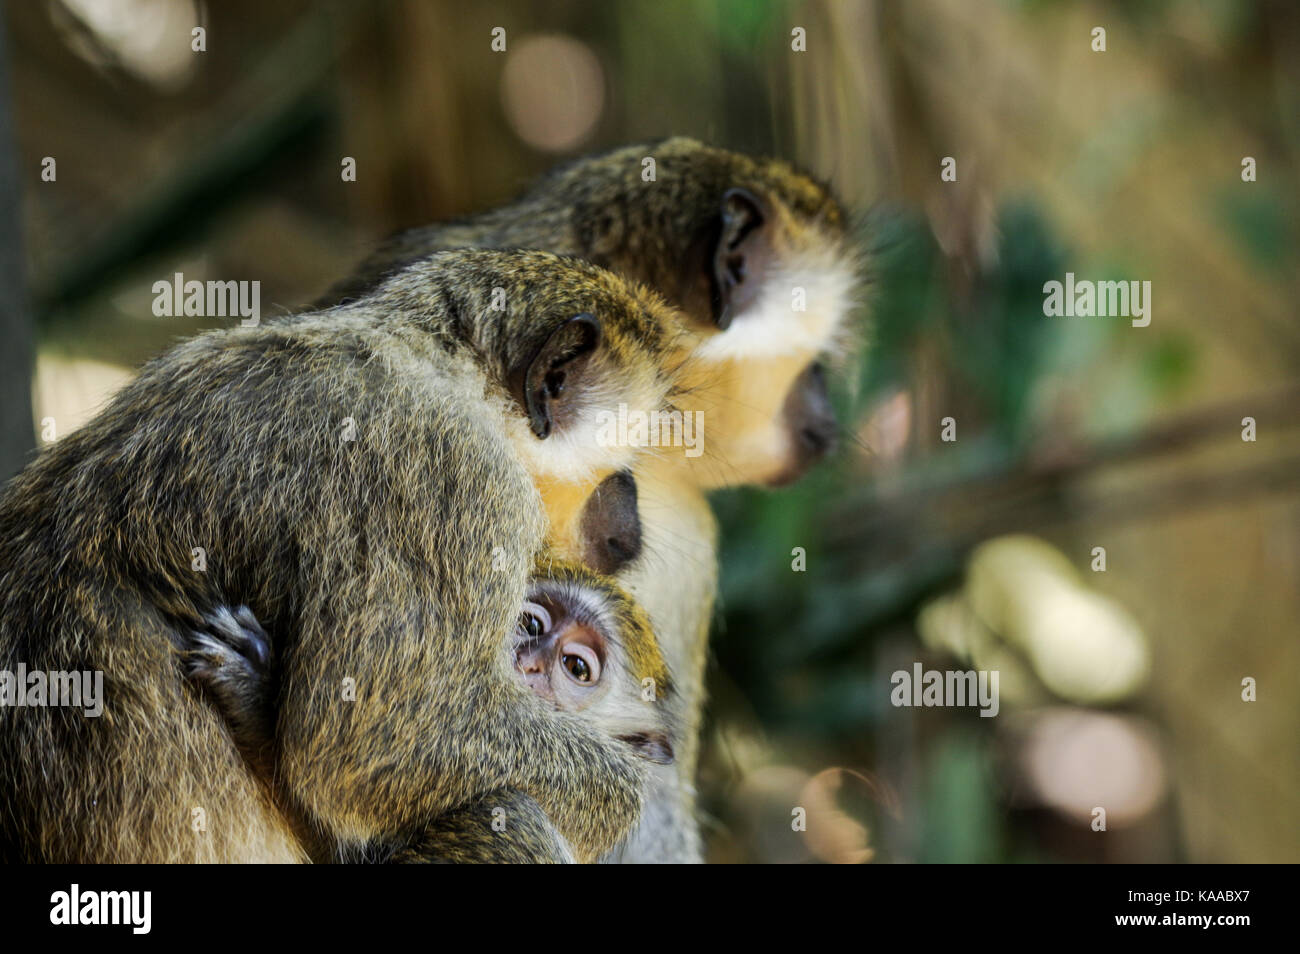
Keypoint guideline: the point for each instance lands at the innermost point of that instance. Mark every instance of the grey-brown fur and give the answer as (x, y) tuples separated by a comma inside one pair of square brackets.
[(523, 834)]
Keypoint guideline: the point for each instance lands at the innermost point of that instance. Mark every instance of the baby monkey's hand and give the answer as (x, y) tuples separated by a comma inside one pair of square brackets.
[(231, 659)]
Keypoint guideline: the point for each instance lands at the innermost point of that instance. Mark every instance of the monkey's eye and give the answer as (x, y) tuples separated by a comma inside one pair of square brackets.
[(534, 622), (581, 664), (578, 668)]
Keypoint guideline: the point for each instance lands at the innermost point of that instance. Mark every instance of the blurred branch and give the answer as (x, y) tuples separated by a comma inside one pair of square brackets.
[(1020, 485), (893, 553), (283, 101)]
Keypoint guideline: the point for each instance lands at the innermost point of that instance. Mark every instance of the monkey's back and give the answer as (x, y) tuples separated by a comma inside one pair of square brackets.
[(295, 468), (602, 209)]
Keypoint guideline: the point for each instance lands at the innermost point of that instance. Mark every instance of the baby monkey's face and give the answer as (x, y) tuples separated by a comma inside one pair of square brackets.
[(561, 651), (582, 646)]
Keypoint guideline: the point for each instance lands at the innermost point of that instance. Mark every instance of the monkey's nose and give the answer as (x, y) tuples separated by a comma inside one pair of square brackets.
[(533, 673), (818, 439), (528, 661), (810, 418)]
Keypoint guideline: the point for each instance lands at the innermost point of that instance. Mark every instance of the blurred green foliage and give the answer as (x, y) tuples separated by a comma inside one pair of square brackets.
[(803, 647)]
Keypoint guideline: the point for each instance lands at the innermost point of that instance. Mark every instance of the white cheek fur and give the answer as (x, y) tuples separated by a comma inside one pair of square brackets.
[(581, 450), (774, 328)]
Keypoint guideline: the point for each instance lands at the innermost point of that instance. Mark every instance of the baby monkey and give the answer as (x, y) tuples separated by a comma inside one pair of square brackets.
[(583, 645), (580, 644)]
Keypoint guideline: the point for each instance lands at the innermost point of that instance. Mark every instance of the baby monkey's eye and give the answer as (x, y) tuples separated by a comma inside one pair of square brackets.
[(577, 667), (534, 622), (581, 664)]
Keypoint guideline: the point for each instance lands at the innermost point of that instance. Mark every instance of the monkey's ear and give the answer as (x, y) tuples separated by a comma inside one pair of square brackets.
[(611, 524), (651, 746), (553, 371), (741, 255)]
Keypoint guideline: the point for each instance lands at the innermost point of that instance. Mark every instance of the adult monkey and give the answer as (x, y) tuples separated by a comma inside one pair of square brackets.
[(358, 478), (756, 255)]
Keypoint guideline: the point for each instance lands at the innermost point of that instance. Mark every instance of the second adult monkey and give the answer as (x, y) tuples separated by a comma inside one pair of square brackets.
[(757, 256)]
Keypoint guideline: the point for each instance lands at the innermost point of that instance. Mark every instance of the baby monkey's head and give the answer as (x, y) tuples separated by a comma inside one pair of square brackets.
[(584, 646)]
